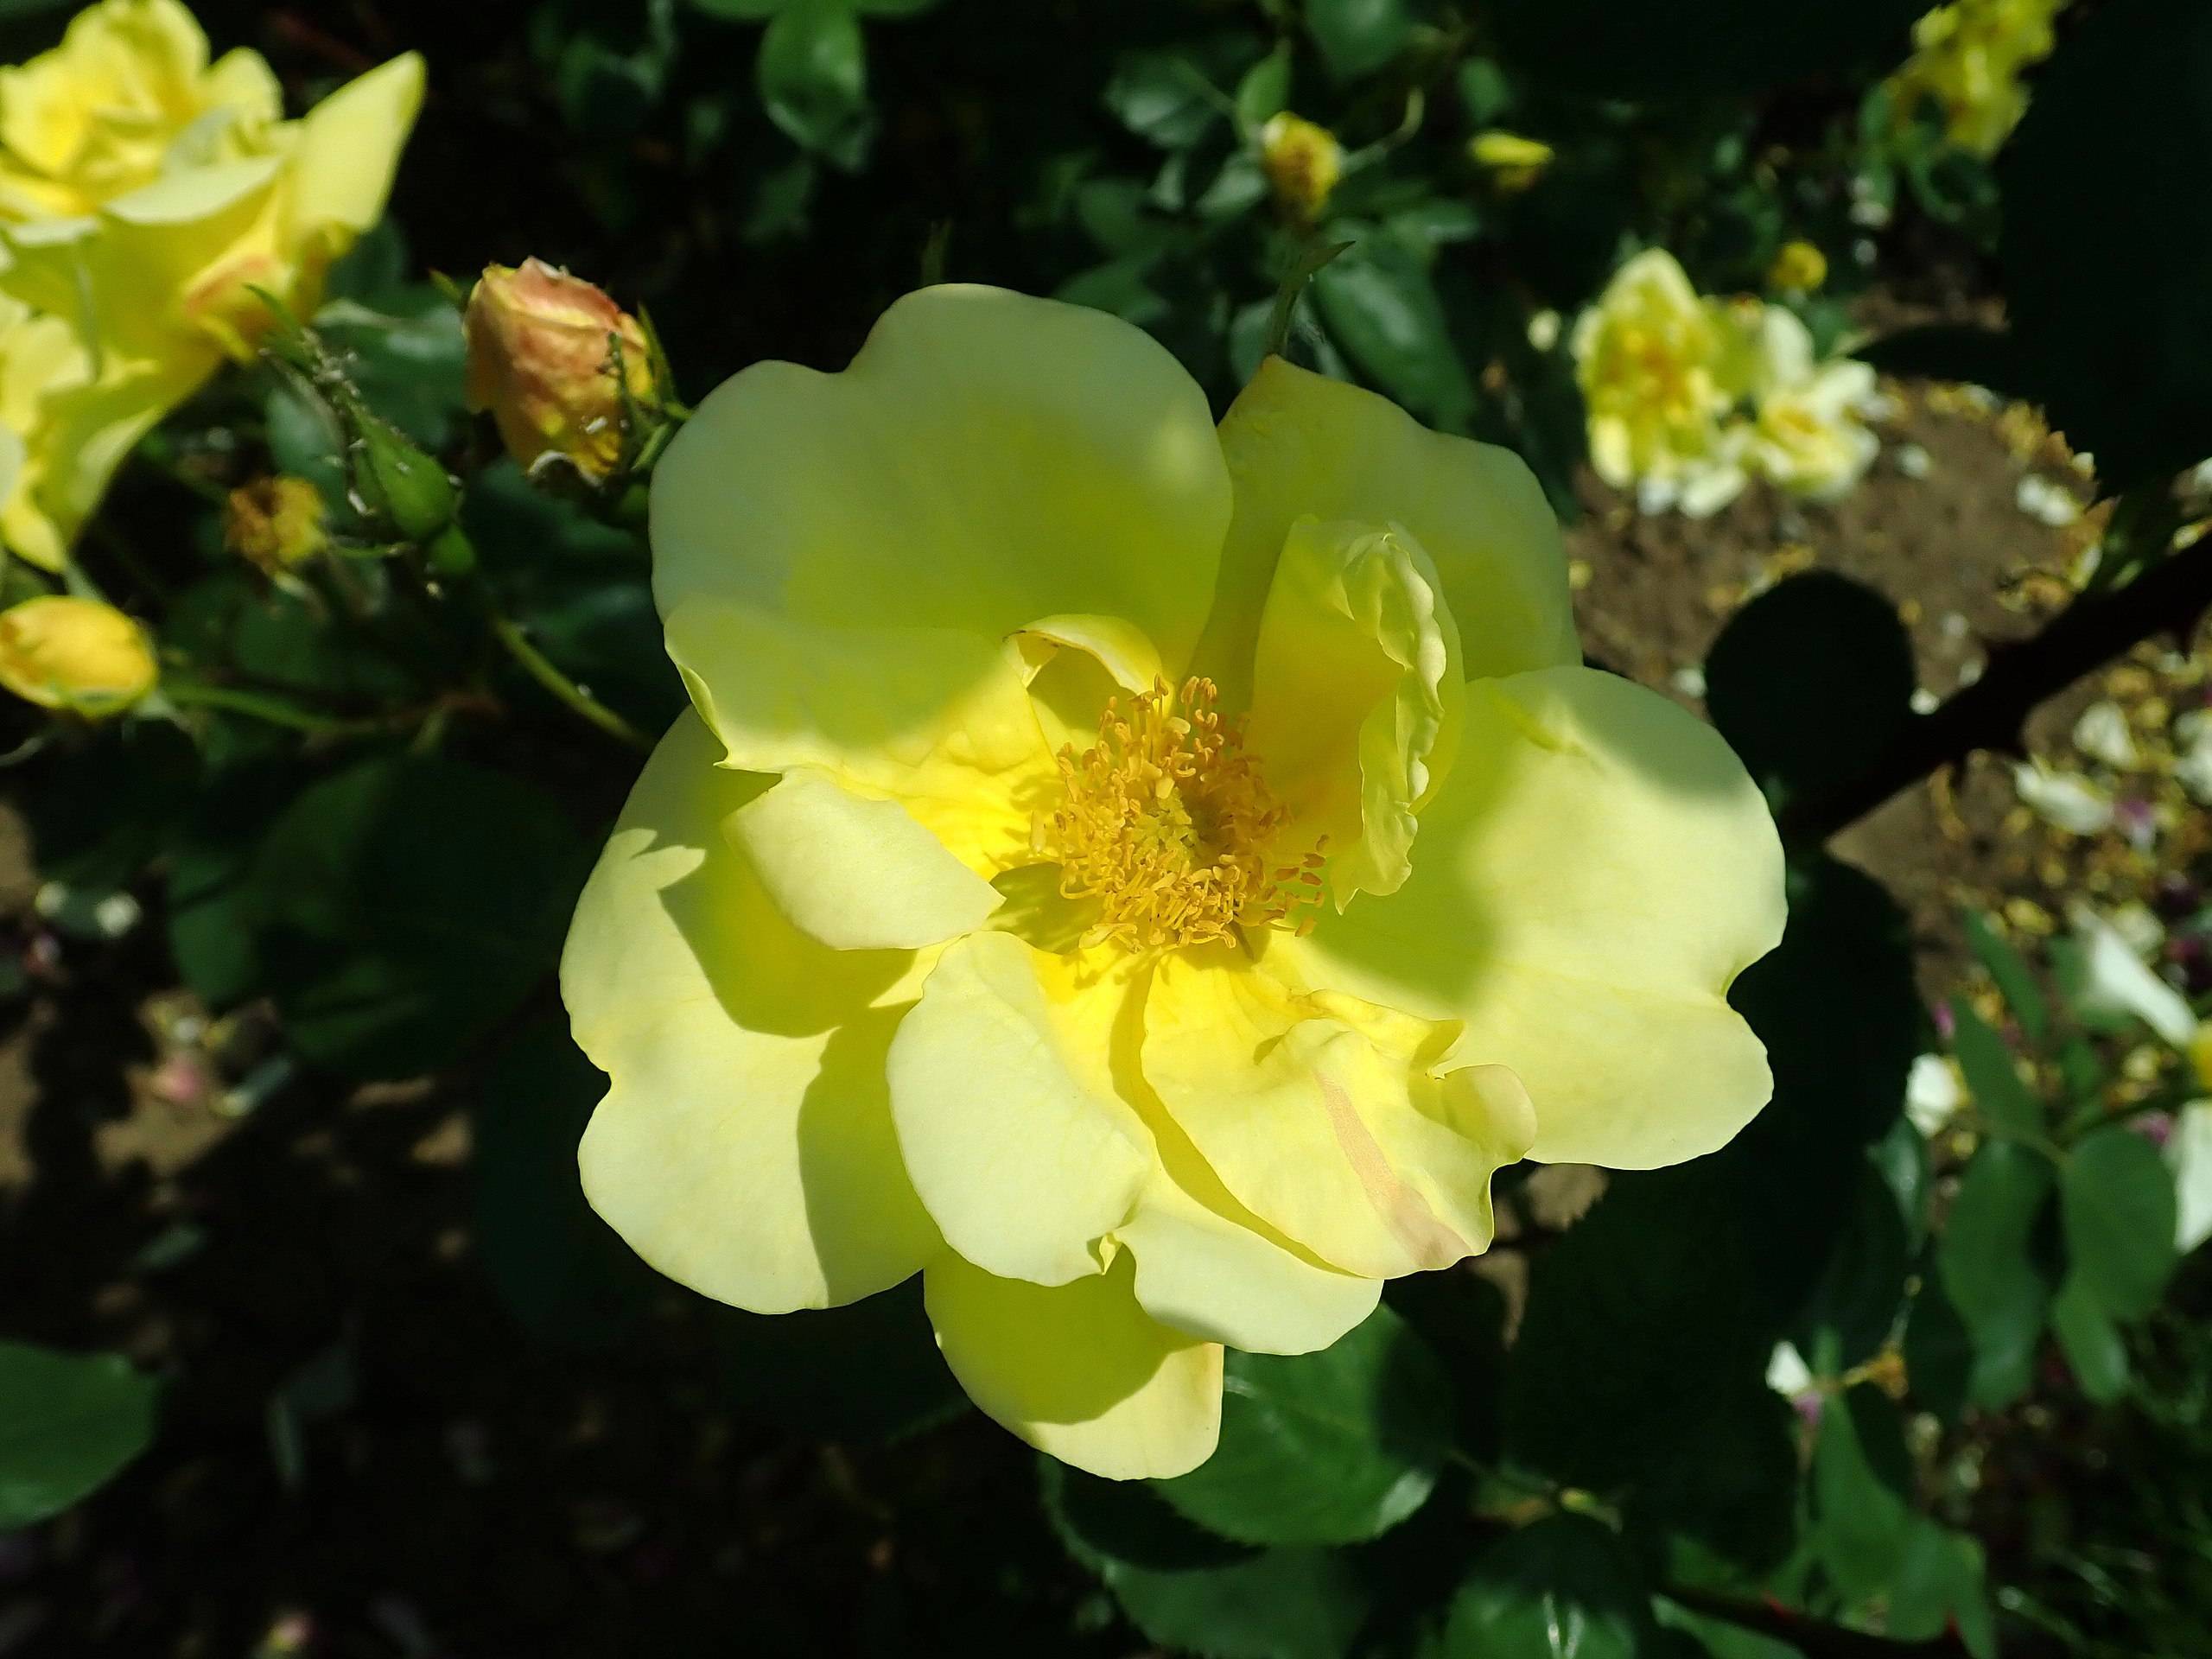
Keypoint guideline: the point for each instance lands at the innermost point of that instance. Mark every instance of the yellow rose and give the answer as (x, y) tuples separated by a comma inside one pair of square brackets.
[(1807, 433), (78, 655), (163, 269), (1144, 878), (1513, 162), (1967, 60), (1650, 358), (542, 357), (102, 113), (1303, 163), (65, 429)]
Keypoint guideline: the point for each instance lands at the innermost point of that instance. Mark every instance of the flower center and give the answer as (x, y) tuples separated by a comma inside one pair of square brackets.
[(1167, 823)]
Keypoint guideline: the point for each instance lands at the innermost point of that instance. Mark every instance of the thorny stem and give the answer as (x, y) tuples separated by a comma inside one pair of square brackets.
[(580, 701), (1989, 714)]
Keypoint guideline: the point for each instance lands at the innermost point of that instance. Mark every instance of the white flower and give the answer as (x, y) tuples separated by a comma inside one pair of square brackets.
[(1933, 1093), (2102, 735), (1787, 1374), (2114, 979), (2064, 798)]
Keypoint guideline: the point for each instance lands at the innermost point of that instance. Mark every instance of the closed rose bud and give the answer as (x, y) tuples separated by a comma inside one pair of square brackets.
[(1799, 267), (276, 522), (1303, 163), (78, 655), (552, 358), (1513, 162)]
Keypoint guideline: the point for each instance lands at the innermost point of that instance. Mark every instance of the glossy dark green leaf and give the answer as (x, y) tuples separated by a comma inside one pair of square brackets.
[(813, 78), (1810, 681), (1357, 37), (2116, 1197), (2095, 1351), (1940, 1585), (68, 1422), (1196, 1593), (1992, 1277), (1379, 305), (1993, 1073), (1163, 97), (1860, 1479), (1265, 89), (1324, 1448), (1861, 1297), (1564, 1588), (404, 907), (2110, 159)]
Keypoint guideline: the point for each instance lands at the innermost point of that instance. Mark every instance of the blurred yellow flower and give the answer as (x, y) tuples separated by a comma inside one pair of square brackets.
[(543, 357), (78, 655), (1798, 268), (1513, 162), (276, 522), (1967, 59), (1303, 163), (1651, 356), (145, 194), (1145, 877), (1688, 397)]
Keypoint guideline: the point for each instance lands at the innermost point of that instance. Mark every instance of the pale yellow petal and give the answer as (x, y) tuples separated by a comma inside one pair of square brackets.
[(1594, 876), (987, 461), (1079, 1370), (1356, 695), (348, 149), (939, 721), (1323, 1116), (1001, 1087), (857, 874), (1299, 446), (744, 1146)]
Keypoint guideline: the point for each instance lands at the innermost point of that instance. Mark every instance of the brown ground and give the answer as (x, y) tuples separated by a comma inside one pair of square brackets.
[(319, 1249)]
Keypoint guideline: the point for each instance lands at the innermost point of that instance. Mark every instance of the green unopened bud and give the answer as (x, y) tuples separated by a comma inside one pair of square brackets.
[(450, 552), (400, 483)]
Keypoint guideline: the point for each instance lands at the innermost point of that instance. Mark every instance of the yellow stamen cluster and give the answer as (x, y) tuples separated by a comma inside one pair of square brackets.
[(1167, 823)]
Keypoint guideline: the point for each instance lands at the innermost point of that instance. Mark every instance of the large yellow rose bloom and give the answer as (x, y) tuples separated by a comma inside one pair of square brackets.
[(1146, 878)]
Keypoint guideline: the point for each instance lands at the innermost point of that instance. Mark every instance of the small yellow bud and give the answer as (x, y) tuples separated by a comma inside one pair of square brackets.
[(1302, 161), (1798, 269), (543, 348), (75, 654), (275, 522), (2199, 1054), (1513, 162)]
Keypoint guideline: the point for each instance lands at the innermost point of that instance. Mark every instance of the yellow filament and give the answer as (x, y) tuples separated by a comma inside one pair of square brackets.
[(1167, 823)]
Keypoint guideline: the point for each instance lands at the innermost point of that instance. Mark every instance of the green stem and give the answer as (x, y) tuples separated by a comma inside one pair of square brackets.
[(278, 711), (578, 700)]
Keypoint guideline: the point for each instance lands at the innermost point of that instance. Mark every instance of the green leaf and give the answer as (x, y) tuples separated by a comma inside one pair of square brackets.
[(1564, 1588), (2110, 158), (1991, 1274), (1940, 1583), (813, 78), (2090, 1341), (1379, 305), (1901, 1159), (1325, 1448), (1860, 1299), (745, 12), (1860, 1476), (2015, 980), (1163, 97), (2117, 1198), (1196, 1593), (1992, 1075), (1357, 37), (1265, 89), (68, 1422), (406, 905), (1810, 681)]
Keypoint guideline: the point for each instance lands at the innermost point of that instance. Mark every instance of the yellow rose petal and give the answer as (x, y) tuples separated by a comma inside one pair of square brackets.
[(1002, 1088), (744, 1146), (1079, 1370)]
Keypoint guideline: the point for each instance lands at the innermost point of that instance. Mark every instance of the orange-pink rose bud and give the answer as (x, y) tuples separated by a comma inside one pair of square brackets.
[(550, 356)]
